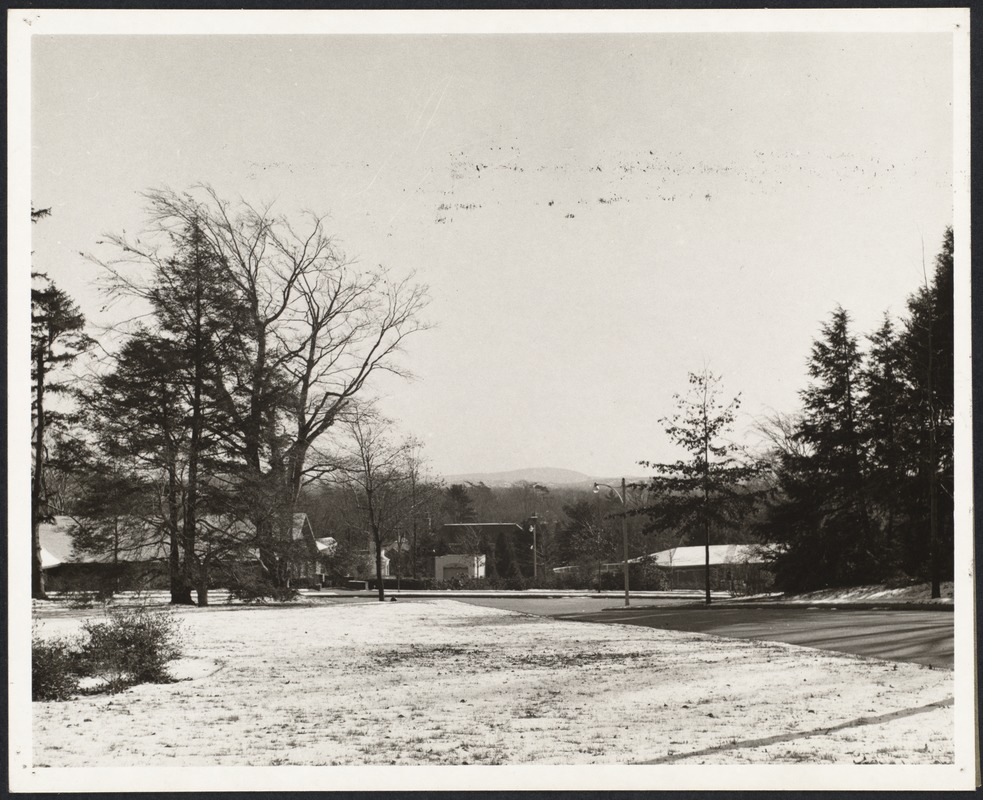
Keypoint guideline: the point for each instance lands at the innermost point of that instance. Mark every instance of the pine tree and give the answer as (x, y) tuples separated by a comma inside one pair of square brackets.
[(57, 339), (927, 344), (712, 488), (825, 518), (138, 418), (882, 406), (458, 504), (195, 316)]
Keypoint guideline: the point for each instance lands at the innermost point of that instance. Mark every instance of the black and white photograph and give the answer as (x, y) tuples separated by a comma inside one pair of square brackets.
[(493, 400)]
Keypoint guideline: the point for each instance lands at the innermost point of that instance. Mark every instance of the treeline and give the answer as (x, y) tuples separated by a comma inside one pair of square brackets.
[(864, 474), (572, 525), (250, 337), (235, 398), (855, 488)]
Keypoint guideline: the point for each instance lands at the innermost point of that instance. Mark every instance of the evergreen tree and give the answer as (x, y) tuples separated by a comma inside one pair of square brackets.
[(712, 487), (195, 316), (458, 504), (882, 406), (825, 517), (57, 339), (138, 418), (927, 345)]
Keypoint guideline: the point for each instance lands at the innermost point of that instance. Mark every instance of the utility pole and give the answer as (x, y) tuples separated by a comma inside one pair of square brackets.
[(623, 497)]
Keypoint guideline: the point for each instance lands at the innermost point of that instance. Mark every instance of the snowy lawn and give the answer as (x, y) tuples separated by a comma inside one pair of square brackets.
[(916, 593), (441, 682)]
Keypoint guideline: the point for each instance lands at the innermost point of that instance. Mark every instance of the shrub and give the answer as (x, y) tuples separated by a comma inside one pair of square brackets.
[(259, 591), (133, 646), (54, 666)]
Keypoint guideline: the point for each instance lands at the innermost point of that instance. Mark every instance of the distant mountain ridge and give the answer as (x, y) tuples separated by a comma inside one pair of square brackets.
[(548, 476)]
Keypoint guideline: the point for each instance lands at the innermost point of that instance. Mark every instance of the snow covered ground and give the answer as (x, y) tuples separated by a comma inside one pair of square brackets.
[(440, 682), (916, 593)]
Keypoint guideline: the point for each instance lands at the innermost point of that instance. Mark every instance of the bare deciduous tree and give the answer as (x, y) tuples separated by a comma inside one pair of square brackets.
[(378, 470), (305, 329)]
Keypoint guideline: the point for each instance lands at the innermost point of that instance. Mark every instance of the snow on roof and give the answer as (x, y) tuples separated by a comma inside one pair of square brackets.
[(695, 556), (297, 528), (58, 547), (326, 544), (144, 542), (56, 542)]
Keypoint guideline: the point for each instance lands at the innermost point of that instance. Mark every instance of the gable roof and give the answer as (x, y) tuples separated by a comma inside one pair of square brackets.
[(58, 546), (326, 545), (143, 541), (720, 554), (299, 522), (453, 528)]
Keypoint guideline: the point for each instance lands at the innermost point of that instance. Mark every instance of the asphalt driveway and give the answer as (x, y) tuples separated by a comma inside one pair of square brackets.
[(919, 636)]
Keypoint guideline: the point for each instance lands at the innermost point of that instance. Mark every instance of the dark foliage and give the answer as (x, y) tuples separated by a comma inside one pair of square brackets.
[(865, 486), (54, 667), (132, 646)]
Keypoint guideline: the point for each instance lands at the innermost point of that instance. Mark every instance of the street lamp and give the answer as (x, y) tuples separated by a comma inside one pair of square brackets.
[(624, 527)]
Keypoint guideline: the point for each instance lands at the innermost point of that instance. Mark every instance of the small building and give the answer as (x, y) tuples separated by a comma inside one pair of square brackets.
[(458, 566), (137, 559), (505, 547), (137, 554), (732, 566)]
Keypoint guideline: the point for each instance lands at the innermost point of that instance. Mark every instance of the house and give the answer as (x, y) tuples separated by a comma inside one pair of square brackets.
[(504, 549), (135, 553), (366, 565), (136, 556), (459, 566), (732, 566)]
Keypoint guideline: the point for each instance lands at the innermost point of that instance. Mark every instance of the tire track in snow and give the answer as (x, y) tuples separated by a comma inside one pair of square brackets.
[(788, 737)]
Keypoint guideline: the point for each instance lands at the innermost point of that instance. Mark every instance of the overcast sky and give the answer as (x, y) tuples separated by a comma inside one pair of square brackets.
[(595, 215)]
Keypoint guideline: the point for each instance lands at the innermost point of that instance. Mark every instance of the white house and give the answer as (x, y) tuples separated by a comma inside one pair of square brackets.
[(458, 566)]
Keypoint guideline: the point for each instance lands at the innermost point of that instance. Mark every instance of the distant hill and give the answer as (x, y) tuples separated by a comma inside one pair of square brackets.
[(548, 476)]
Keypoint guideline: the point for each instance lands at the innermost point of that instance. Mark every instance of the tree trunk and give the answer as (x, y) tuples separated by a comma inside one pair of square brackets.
[(706, 545), (933, 477), (37, 574), (399, 562), (192, 568), (378, 565), (180, 588), (202, 586), (37, 488), (706, 497)]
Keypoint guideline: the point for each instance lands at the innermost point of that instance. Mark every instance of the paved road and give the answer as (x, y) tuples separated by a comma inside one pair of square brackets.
[(923, 637)]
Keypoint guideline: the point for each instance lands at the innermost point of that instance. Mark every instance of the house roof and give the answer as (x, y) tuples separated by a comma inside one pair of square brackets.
[(695, 556), (326, 545), (58, 547), (145, 542), (297, 528), (483, 526)]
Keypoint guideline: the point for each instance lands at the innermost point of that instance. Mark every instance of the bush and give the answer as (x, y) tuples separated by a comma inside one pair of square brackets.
[(54, 665), (261, 590), (134, 646)]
